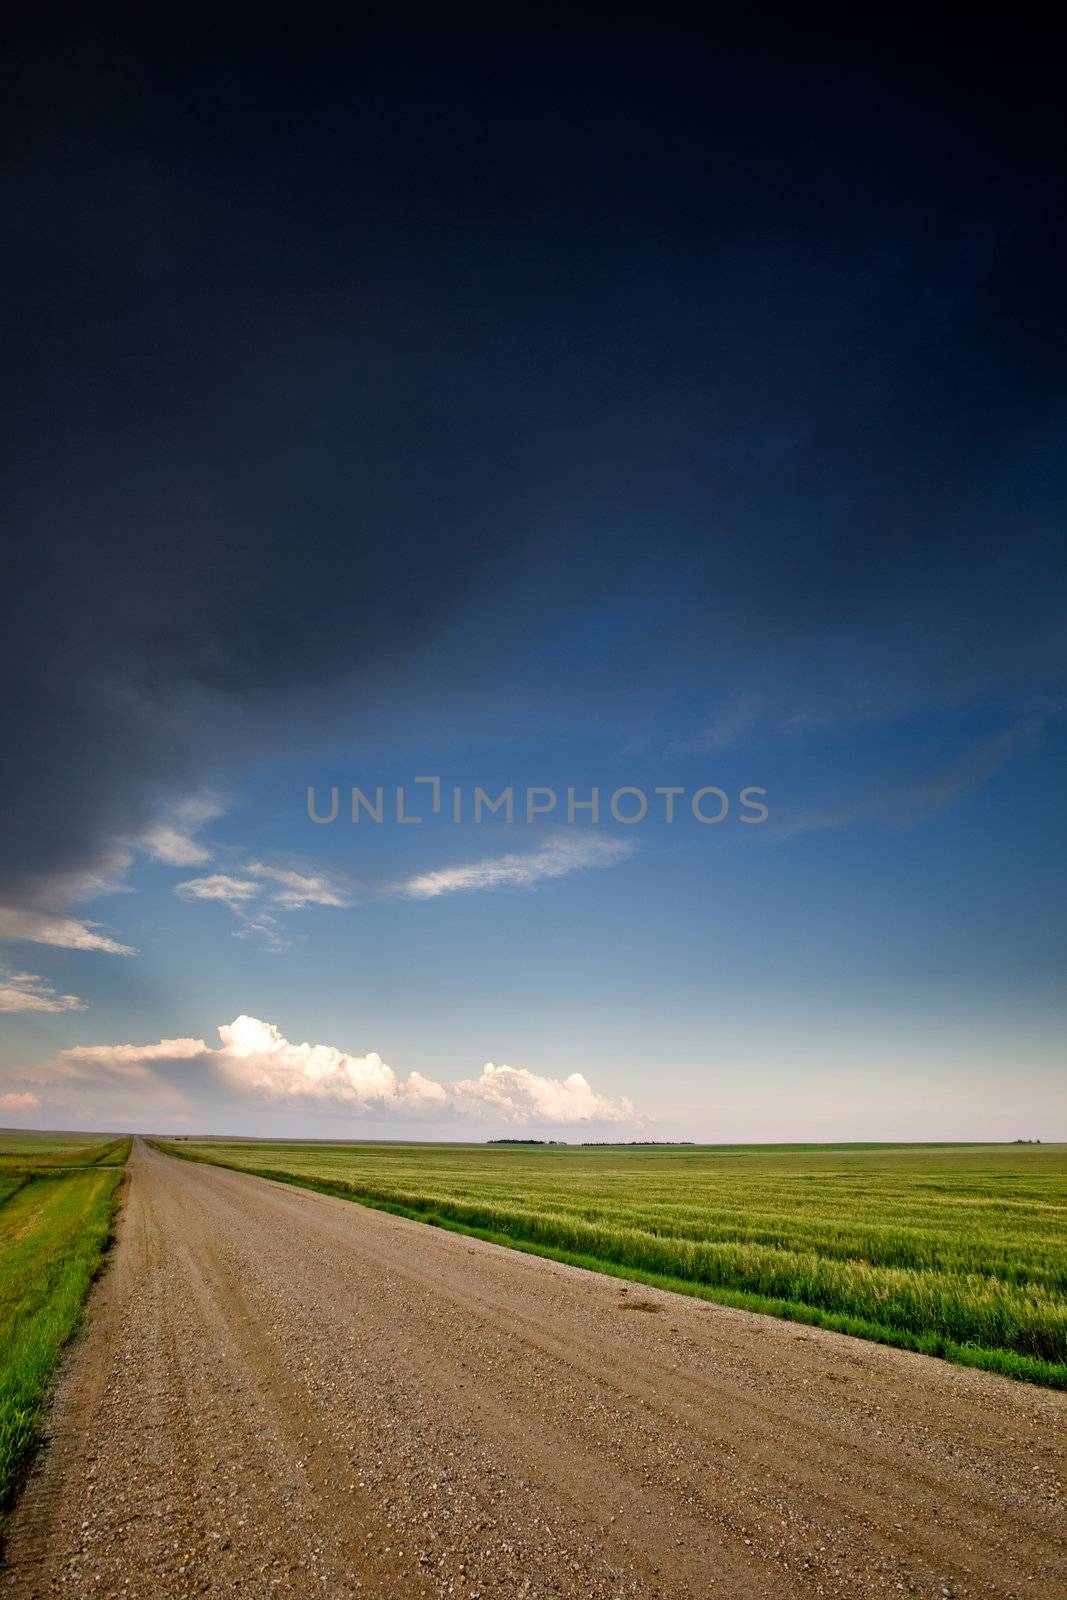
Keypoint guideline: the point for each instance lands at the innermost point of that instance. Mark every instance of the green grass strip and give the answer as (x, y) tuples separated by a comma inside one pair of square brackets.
[(11, 1183), (115, 1154), (53, 1234)]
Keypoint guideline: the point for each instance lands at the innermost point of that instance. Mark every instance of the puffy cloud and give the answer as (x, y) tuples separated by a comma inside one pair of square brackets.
[(23, 991), (516, 1095), (256, 1059), (254, 1055), (562, 854)]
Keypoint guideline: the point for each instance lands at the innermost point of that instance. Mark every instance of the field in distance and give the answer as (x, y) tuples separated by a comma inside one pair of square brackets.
[(57, 1194), (956, 1251)]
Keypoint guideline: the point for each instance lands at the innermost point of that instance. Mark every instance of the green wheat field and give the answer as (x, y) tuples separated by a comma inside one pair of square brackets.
[(953, 1250)]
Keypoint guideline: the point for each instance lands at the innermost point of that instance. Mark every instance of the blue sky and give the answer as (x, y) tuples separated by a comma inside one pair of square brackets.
[(564, 407), (836, 971)]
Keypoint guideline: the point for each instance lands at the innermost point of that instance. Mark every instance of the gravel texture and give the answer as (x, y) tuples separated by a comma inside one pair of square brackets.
[(281, 1394)]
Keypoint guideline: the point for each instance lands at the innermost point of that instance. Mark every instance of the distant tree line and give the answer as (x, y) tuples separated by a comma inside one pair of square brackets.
[(614, 1144)]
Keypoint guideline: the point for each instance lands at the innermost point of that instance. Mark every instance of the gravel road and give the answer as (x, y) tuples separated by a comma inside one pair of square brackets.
[(282, 1394)]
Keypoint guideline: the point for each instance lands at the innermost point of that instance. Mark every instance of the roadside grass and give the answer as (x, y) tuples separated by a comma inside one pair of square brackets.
[(953, 1251), (34, 1151), (55, 1224), (115, 1154)]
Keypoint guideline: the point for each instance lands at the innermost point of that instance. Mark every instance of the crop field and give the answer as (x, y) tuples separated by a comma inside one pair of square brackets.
[(57, 1194), (956, 1251)]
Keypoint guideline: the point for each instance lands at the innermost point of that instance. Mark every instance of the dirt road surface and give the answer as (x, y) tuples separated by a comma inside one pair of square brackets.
[(282, 1394)]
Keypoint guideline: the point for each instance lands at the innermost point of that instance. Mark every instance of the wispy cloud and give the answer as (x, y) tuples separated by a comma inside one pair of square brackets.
[(554, 859), (27, 924), (48, 920), (907, 803), (262, 928), (23, 991), (127, 1060), (240, 896), (172, 839), (294, 890), (261, 893), (250, 897), (723, 729), (231, 891)]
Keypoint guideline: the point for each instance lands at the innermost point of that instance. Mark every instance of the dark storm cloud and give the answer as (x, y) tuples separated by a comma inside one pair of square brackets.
[(324, 353)]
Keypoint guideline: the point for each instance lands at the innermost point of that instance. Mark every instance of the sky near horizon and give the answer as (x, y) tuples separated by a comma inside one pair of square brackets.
[(543, 411)]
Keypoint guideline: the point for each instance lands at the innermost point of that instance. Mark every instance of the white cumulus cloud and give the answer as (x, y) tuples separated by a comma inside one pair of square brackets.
[(256, 1059), (255, 1056), (516, 1095)]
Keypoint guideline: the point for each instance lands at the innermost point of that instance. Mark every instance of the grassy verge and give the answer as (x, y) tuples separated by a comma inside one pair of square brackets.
[(115, 1154), (953, 1255), (54, 1229), (35, 1152)]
